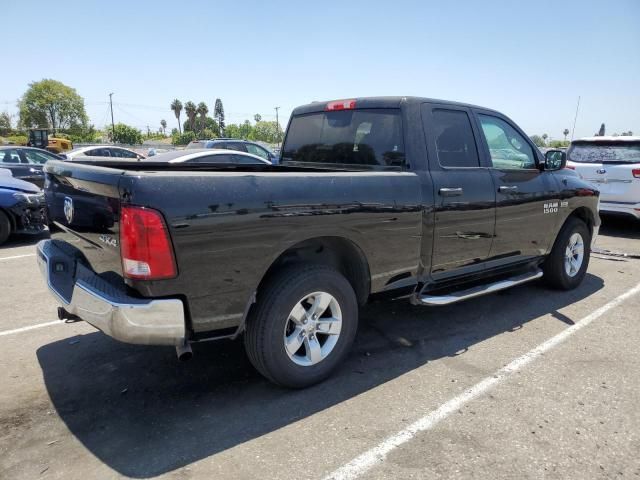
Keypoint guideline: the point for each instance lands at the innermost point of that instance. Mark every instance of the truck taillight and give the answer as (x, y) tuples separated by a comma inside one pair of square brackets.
[(341, 105), (636, 172), (145, 246)]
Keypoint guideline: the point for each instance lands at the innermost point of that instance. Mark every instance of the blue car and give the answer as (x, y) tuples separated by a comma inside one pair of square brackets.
[(22, 207)]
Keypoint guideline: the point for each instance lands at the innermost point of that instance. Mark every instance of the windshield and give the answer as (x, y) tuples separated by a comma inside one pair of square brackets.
[(605, 152), (348, 137)]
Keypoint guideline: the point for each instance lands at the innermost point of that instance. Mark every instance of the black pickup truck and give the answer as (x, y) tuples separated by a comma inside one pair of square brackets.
[(394, 196)]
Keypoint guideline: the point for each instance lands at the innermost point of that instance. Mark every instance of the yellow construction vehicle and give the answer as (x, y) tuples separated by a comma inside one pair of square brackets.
[(40, 138)]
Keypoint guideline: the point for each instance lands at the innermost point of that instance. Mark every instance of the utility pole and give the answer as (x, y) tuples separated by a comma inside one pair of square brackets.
[(576, 118), (113, 125), (277, 125)]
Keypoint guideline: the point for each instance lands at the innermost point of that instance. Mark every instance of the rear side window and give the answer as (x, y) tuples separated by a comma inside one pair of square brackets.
[(98, 152), (9, 156), (256, 150), (347, 137), (214, 159), (455, 143), (35, 157), (118, 152), (605, 152)]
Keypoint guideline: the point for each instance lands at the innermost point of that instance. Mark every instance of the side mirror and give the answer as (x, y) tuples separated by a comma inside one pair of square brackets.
[(555, 160)]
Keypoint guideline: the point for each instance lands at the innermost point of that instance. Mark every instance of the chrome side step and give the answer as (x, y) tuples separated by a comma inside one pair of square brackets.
[(436, 300)]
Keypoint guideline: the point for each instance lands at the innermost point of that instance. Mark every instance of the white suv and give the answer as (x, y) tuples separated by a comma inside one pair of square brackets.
[(612, 164)]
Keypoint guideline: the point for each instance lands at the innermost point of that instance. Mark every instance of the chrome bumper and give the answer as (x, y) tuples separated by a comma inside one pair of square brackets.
[(81, 292)]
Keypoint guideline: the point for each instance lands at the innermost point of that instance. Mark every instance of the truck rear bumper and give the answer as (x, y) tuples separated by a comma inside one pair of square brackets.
[(83, 293)]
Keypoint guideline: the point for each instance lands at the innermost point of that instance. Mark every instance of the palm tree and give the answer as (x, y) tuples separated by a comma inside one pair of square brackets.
[(176, 106), (565, 132), (257, 117), (544, 138), (191, 111), (202, 111), (163, 124)]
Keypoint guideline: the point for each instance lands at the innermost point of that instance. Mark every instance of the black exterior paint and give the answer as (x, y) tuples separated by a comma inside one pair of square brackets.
[(229, 224)]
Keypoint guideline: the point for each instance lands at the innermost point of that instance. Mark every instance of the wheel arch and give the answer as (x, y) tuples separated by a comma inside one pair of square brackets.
[(585, 214), (339, 253)]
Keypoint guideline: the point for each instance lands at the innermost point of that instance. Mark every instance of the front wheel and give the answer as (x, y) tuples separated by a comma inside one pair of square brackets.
[(302, 326), (567, 263)]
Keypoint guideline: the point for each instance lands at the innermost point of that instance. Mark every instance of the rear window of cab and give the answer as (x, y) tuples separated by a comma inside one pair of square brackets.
[(365, 137)]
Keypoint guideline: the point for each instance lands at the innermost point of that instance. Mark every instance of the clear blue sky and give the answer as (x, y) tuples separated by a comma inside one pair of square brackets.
[(530, 62)]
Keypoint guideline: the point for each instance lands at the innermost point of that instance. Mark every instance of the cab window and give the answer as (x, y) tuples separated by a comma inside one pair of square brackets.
[(362, 137), (508, 149), (455, 143)]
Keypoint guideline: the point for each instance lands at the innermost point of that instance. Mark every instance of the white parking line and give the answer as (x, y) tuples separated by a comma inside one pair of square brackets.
[(31, 327), (18, 256), (375, 456)]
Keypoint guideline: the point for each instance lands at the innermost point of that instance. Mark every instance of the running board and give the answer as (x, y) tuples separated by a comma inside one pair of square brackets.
[(436, 300)]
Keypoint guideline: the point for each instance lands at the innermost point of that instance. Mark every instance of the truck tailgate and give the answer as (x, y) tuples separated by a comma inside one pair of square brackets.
[(83, 201)]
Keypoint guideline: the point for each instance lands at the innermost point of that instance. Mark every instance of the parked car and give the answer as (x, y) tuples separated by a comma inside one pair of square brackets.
[(119, 153), (236, 144), (22, 207), (206, 155), (26, 163), (389, 196), (612, 164)]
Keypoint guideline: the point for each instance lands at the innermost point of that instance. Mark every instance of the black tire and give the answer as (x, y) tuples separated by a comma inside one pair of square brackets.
[(555, 274), (5, 227), (265, 329)]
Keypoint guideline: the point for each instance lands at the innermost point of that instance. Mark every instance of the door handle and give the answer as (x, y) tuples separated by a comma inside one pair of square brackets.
[(508, 189), (450, 192)]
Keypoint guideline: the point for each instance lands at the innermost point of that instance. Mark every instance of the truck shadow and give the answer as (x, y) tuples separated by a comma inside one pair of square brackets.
[(620, 226), (143, 413), (23, 240)]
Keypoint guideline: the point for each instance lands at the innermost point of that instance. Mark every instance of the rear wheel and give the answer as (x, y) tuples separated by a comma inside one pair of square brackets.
[(567, 263), (302, 326), (5, 227)]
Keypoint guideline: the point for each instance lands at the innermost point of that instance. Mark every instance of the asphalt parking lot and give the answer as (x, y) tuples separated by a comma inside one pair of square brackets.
[(527, 383)]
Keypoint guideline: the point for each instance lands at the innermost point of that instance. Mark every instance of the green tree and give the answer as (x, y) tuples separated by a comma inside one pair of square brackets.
[(559, 143), (202, 111), (82, 134), (5, 123), (191, 110), (176, 106), (233, 131), (51, 104), (163, 125), (218, 114), (265, 131), (601, 131), (565, 132), (537, 140), (125, 134), (183, 138), (257, 117)]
